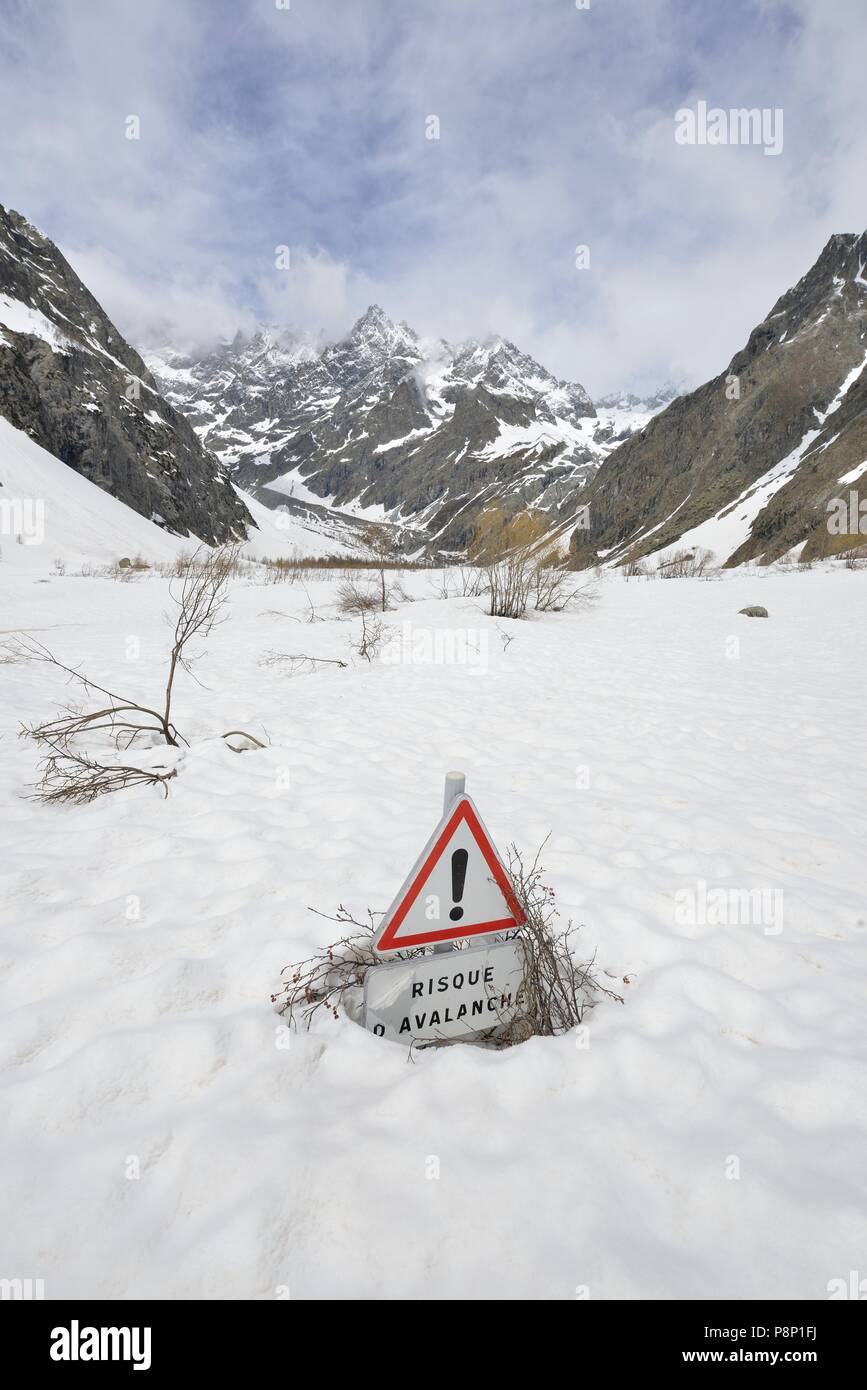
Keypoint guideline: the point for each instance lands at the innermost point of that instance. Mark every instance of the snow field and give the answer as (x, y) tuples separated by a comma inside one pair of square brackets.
[(142, 938)]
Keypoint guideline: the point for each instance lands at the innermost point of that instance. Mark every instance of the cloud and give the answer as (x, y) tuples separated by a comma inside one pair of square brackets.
[(306, 127)]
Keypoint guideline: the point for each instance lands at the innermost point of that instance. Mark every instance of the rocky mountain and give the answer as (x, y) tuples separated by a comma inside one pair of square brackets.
[(748, 465), (68, 379), (383, 422)]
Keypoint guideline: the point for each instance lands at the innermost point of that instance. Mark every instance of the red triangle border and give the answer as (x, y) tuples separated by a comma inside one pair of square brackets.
[(463, 811)]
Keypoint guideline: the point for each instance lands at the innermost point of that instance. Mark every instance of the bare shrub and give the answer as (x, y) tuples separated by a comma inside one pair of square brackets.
[(379, 541), (505, 549), (552, 585), (354, 601), (687, 564), (558, 987), (400, 594), (334, 976), (69, 772), (279, 571), (459, 581), (299, 661), (517, 563), (633, 568), (372, 636)]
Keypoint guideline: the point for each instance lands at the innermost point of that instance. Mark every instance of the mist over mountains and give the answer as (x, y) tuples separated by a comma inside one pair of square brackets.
[(416, 431), (422, 434)]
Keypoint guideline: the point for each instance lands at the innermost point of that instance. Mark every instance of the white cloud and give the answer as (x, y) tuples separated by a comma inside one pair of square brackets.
[(306, 127)]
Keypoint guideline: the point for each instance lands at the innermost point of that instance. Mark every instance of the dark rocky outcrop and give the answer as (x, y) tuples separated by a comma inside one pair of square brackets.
[(769, 410), (69, 380)]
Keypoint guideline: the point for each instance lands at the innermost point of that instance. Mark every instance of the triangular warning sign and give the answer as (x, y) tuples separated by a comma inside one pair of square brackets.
[(458, 887)]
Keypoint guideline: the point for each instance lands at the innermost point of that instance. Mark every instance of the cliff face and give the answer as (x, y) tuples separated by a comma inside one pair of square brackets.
[(747, 464), (69, 379)]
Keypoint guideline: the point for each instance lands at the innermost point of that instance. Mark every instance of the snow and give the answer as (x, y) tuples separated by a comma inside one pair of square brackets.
[(294, 484), (854, 473), (398, 443), (22, 318), (279, 534), (62, 516), (143, 937), (536, 437)]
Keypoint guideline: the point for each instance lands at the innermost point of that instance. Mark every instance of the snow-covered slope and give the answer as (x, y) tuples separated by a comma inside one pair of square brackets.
[(50, 513), (164, 1137)]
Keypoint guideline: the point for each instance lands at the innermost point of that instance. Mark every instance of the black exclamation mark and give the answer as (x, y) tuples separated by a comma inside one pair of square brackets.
[(459, 878)]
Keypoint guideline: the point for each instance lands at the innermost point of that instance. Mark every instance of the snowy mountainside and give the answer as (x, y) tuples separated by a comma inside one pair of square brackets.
[(385, 424), (748, 464), (68, 379)]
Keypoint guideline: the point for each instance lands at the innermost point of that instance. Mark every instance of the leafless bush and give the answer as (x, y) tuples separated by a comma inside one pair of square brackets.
[(334, 975), (687, 564), (363, 604), (354, 601), (298, 661), (380, 544), (69, 772), (69, 775), (634, 568), (372, 636), (516, 564), (400, 594), (279, 571), (505, 550), (855, 559), (553, 586), (558, 988), (459, 581)]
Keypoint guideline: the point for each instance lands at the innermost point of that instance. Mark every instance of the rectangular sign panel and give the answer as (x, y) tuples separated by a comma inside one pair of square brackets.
[(445, 996)]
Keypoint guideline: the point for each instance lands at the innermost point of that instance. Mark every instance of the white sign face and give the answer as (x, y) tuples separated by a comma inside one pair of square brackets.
[(445, 996), (459, 887)]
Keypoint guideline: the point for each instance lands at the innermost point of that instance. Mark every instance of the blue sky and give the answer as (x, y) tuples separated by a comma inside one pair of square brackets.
[(306, 127)]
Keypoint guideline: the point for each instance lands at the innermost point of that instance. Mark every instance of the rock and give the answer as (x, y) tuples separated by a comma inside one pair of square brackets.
[(707, 449), (124, 563), (69, 379), (755, 610), (386, 417)]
